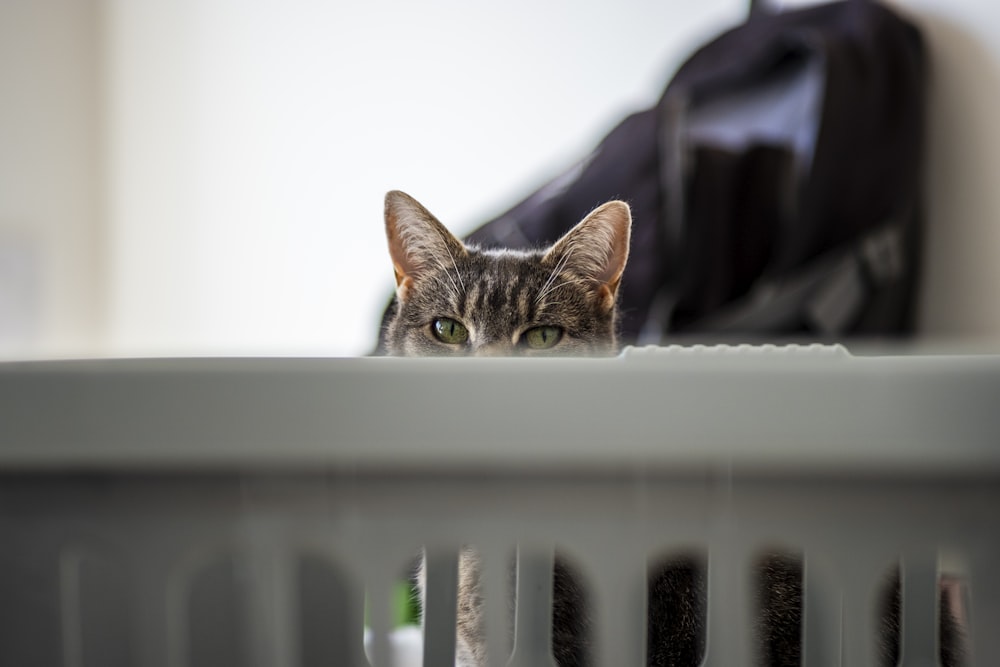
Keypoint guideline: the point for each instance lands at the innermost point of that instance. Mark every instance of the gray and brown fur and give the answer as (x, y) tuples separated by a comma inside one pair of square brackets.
[(499, 294)]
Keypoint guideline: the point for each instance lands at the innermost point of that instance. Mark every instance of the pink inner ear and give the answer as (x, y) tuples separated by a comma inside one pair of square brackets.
[(618, 255), (402, 264), (399, 273), (606, 297), (606, 232), (403, 286), (615, 265)]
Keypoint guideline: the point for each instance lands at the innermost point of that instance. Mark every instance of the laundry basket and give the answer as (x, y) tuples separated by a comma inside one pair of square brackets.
[(224, 512)]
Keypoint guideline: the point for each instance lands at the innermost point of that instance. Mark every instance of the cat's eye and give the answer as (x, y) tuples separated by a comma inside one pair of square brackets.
[(542, 338), (450, 331)]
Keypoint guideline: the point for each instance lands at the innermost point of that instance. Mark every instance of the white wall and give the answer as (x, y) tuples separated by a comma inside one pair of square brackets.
[(961, 297), (205, 176), (253, 143), (52, 290)]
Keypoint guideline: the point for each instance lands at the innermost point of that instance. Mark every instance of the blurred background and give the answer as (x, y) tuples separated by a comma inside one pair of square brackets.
[(206, 176)]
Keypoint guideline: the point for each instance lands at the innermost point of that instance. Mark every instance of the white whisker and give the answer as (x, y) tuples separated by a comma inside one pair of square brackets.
[(560, 265), (564, 283), (454, 264), (444, 269)]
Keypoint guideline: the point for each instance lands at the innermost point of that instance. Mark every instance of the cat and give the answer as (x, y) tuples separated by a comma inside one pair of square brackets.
[(454, 299)]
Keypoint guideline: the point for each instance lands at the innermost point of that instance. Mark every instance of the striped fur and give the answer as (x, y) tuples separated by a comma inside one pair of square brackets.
[(499, 294)]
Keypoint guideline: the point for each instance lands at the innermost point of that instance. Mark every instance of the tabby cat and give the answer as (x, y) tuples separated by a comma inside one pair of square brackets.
[(455, 300), (452, 299)]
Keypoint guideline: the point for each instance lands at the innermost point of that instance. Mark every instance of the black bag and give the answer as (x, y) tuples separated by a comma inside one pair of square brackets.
[(775, 186)]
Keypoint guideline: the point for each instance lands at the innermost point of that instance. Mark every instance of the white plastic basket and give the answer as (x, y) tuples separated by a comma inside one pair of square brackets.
[(235, 511)]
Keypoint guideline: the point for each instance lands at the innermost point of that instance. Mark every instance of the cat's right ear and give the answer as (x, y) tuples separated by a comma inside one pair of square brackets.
[(597, 250), (417, 241)]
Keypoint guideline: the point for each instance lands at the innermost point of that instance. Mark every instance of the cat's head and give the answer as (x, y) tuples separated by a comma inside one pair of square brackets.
[(453, 299)]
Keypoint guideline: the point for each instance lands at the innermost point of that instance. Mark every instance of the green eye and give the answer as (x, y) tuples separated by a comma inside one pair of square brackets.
[(542, 338), (449, 331)]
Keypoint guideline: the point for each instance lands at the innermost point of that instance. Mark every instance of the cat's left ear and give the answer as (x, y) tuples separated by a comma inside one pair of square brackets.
[(418, 242), (597, 249)]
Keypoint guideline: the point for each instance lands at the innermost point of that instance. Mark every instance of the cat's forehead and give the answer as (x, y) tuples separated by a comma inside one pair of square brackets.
[(501, 255), (504, 260)]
